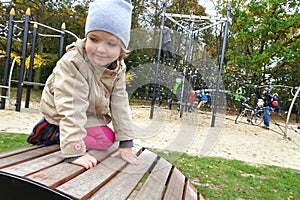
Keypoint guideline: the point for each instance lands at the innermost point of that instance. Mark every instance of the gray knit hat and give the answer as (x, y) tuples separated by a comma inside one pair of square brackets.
[(113, 16)]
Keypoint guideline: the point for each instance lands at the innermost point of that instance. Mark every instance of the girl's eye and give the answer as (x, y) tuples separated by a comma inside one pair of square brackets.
[(111, 44), (93, 39)]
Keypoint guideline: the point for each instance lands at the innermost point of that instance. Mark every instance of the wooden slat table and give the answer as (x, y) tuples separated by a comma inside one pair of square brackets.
[(38, 172)]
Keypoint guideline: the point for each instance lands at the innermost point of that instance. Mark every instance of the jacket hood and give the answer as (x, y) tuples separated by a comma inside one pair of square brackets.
[(79, 45)]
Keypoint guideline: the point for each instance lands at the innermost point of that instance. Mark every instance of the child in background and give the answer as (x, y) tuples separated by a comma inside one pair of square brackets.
[(166, 42), (277, 108), (87, 90), (191, 100), (203, 99)]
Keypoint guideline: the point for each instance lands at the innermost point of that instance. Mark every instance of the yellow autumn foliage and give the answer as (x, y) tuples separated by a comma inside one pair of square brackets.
[(129, 77), (38, 61)]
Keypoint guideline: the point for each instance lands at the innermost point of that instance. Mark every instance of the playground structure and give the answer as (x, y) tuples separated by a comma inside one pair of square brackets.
[(287, 123), (8, 67), (191, 29)]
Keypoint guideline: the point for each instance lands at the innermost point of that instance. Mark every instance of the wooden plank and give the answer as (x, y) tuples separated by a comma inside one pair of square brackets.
[(190, 192), (63, 172), (154, 186), (57, 175), (19, 150), (101, 155), (28, 155), (175, 186), (31, 166), (84, 185), (121, 186)]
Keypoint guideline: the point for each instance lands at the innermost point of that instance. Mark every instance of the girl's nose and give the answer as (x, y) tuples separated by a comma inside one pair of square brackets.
[(101, 47)]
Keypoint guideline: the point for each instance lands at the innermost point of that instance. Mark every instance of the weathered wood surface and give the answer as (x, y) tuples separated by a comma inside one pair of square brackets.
[(112, 178)]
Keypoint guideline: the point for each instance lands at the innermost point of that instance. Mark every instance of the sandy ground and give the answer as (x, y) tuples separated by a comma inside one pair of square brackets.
[(195, 133)]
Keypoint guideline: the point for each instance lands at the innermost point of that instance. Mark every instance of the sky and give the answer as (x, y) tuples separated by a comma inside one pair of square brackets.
[(5, 2), (8, 1), (209, 6)]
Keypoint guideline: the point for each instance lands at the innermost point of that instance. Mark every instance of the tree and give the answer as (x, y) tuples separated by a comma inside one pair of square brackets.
[(263, 43)]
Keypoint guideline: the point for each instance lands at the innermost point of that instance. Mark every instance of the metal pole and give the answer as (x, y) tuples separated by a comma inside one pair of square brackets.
[(30, 71), (158, 59), (220, 67), (23, 59), (290, 111), (187, 61), (7, 56), (61, 41)]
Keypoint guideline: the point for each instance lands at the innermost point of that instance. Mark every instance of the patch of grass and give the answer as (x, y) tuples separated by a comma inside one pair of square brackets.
[(218, 178), (34, 94), (10, 141), (215, 178)]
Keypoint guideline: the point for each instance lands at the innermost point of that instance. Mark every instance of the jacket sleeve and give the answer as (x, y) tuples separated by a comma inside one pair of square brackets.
[(120, 110), (71, 101)]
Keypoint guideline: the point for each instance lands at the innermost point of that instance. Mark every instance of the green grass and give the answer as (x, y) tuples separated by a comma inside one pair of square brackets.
[(34, 93), (216, 178), (10, 141)]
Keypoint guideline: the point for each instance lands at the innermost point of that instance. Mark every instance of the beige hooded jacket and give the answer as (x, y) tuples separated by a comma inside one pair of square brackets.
[(78, 94)]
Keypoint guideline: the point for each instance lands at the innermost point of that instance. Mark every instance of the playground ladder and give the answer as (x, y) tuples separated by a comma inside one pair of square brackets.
[(3, 86), (7, 87), (9, 80)]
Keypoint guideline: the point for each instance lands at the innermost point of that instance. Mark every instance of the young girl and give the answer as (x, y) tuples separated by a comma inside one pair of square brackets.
[(87, 90)]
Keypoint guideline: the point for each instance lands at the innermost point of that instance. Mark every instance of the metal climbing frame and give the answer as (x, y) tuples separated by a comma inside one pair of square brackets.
[(11, 34), (190, 29), (290, 111)]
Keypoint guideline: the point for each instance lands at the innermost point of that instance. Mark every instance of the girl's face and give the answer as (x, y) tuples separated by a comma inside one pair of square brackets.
[(102, 47)]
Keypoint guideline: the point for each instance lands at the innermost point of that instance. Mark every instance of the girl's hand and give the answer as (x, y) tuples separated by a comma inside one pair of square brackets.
[(127, 155), (87, 161)]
